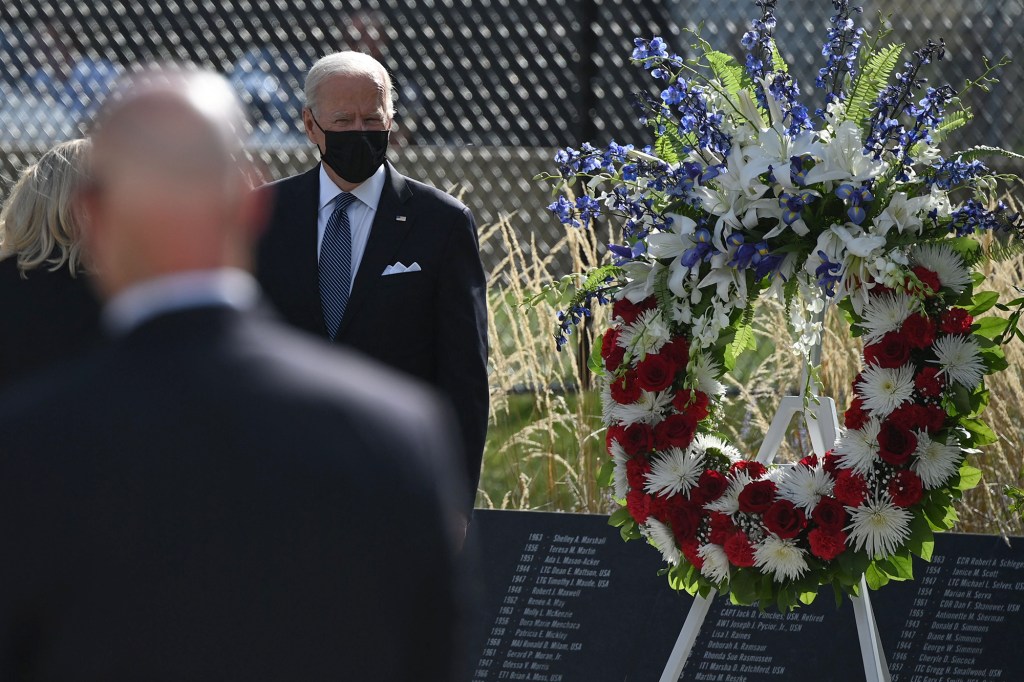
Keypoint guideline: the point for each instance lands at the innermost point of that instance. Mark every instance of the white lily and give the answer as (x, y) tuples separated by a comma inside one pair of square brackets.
[(844, 158)]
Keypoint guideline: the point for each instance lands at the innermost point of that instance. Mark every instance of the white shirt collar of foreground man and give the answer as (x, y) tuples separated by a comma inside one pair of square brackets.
[(228, 287)]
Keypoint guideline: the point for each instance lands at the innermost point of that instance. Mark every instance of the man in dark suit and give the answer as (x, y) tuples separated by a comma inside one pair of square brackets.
[(214, 496), (375, 261)]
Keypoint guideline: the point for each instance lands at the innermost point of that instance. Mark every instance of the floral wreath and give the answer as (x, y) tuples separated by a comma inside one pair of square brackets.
[(747, 193)]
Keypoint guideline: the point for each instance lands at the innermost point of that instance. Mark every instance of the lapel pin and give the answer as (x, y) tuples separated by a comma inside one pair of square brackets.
[(400, 218)]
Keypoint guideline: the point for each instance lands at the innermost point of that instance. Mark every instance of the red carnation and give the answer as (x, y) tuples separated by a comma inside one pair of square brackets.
[(892, 351), (678, 351), (752, 468), (637, 439), (757, 497), (929, 382), (639, 505), (628, 310), (928, 278), (918, 330), (721, 527), (615, 433), (694, 403), (908, 416), (831, 463), (636, 472), (685, 519), (739, 551), (826, 545), (906, 488), (850, 488), (655, 373), (896, 444), (855, 415), (626, 390), (711, 485), (689, 549), (810, 461), (784, 519), (611, 352), (934, 418), (956, 321), (829, 514), (676, 430)]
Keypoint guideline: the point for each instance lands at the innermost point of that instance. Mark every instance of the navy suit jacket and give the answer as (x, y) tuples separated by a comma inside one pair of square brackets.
[(217, 497), (430, 324)]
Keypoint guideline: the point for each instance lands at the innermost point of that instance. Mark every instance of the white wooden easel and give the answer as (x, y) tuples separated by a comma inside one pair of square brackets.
[(823, 427)]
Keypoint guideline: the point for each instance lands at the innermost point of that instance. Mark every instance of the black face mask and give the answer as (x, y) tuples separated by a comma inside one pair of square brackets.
[(354, 154)]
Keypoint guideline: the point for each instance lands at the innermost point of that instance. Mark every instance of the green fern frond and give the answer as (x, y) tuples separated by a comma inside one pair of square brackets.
[(953, 121), (871, 81), (727, 70), (982, 151)]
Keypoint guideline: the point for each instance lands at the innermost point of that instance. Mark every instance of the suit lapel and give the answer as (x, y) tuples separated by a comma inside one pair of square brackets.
[(299, 259), (386, 236)]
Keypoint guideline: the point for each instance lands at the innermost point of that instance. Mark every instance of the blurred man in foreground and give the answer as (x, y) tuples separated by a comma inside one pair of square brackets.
[(213, 497)]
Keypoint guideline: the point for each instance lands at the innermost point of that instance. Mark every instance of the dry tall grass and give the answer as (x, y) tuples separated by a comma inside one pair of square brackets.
[(546, 446)]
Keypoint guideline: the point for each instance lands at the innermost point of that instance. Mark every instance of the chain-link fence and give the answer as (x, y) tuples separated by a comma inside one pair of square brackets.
[(487, 89)]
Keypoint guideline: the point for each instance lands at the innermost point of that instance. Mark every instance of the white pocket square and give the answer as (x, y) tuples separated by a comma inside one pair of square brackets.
[(398, 269)]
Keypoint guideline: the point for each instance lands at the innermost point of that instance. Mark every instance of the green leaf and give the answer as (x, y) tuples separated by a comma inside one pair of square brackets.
[(969, 477), (875, 577), (922, 538), (871, 81), (742, 588), (983, 301), (995, 361), (595, 363), (979, 432), (619, 517), (990, 327), (897, 567)]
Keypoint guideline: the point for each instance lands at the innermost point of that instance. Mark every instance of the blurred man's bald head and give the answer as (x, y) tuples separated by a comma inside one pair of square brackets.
[(170, 186)]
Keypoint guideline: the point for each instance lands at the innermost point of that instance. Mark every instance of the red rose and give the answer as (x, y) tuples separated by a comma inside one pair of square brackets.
[(929, 382), (639, 505), (721, 528), (918, 330), (689, 549), (691, 402), (615, 433), (825, 545), (711, 485), (655, 373), (892, 351), (906, 488), (757, 497), (739, 551), (685, 519), (855, 415), (850, 488), (676, 430), (677, 350), (896, 444), (784, 519), (829, 514), (627, 310), (956, 321), (626, 390), (928, 278), (637, 439), (934, 418), (810, 461), (611, 352), (752, 468), (636, 472)]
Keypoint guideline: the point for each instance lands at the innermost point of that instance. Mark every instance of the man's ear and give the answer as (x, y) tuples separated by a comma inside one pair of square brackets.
[(312, 132)]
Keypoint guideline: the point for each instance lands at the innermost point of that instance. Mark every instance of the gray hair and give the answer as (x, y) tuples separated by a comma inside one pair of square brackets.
[(348, 63)]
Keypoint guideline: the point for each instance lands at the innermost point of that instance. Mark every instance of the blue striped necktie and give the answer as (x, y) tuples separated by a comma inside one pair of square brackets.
[(336, 264)]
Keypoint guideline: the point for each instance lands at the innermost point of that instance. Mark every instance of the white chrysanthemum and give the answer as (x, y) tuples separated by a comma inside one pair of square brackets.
[(674, 471), (782, 558), (879, 527), (804, 486), (960, 360), (649, 409), (884, 314), (857, 449), (619, 479), (935, 462), (884, 389), (663, 538), (646, 335), (716, 563), (705, 372), (729, 502), (608, 404), (945, 263), (702, 442)]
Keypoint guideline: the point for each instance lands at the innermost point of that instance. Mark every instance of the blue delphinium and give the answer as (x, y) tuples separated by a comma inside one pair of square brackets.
[(758, 41), (840, 50), (950, 173), (974, 217)]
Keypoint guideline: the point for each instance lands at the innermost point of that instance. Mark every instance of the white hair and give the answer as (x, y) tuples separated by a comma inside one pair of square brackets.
[(348, 63)]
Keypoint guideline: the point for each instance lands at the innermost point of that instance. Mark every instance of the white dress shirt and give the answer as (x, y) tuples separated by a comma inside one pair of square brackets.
[(360, 213), (195, 289)]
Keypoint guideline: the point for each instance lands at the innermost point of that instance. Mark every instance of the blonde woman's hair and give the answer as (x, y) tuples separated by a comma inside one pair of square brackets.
[(38, 222)]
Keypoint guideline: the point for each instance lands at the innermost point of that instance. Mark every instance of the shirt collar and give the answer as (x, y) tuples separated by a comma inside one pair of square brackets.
[(368, 192), (228, 287)]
